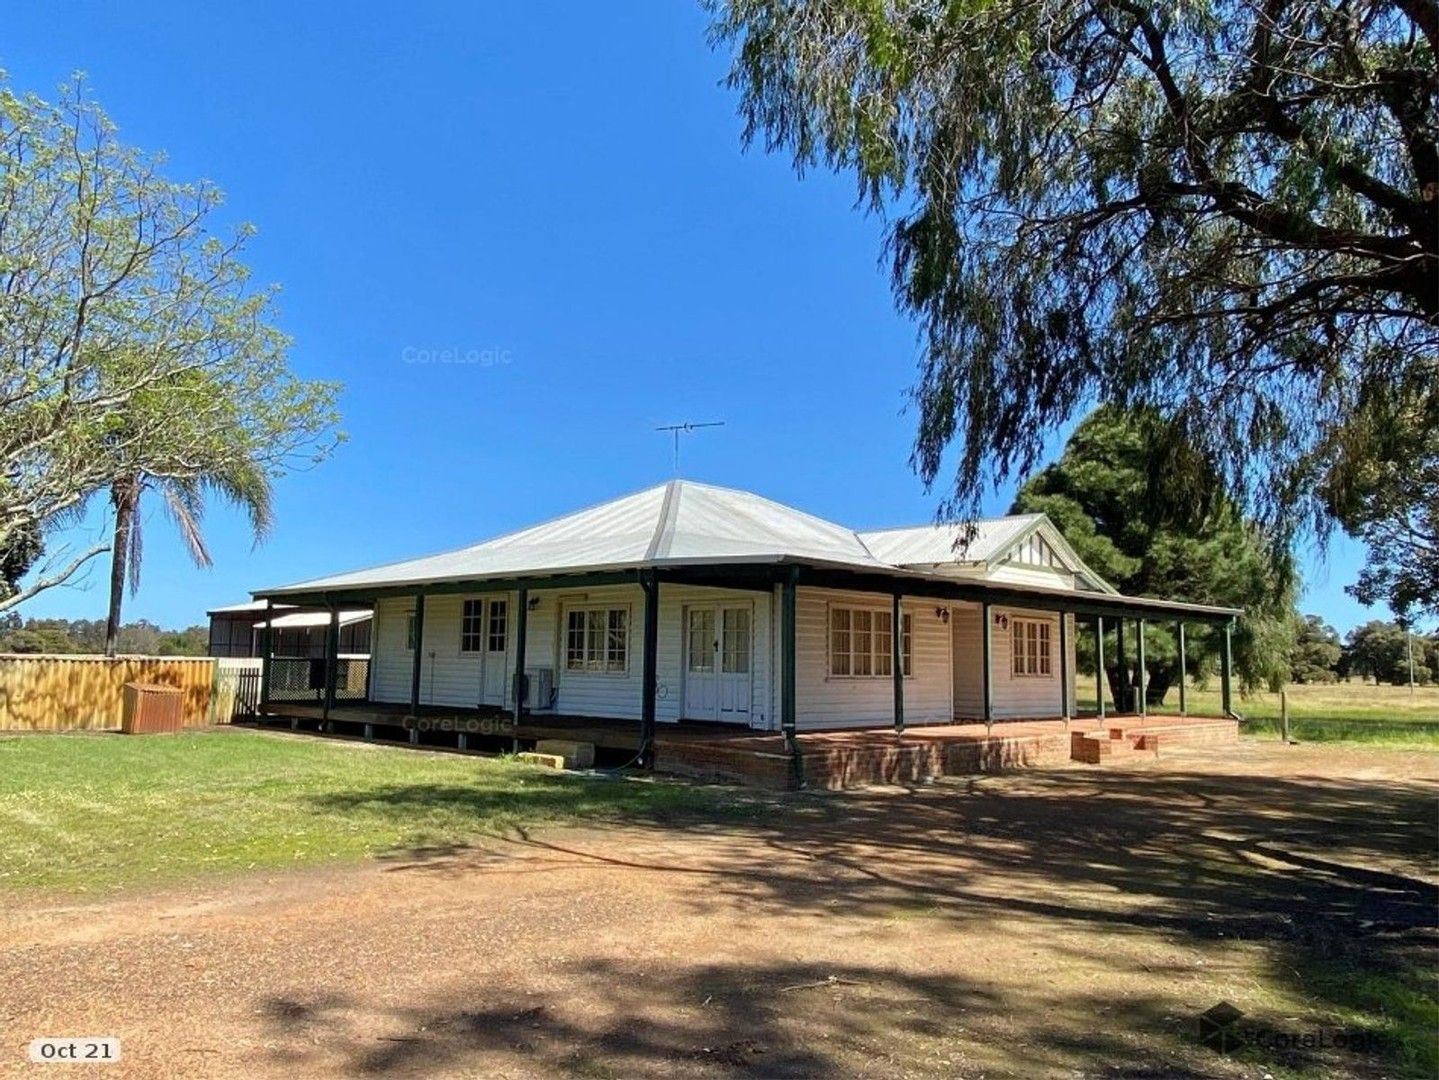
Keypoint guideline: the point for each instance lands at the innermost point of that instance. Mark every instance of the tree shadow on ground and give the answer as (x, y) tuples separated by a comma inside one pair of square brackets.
[(1332, 878), (779, 1020)]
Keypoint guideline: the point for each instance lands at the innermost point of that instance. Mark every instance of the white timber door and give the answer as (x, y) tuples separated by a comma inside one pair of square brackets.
[(718, 648), (497, 639)]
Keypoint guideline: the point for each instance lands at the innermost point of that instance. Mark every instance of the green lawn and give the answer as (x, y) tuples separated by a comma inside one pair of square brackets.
[(1353, 712), (90, 813)]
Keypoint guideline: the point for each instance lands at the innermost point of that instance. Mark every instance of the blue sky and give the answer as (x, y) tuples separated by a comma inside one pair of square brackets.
[(559, 188)]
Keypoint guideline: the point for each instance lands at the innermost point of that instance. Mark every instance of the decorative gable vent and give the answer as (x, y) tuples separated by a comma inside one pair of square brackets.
[(1034, 550)]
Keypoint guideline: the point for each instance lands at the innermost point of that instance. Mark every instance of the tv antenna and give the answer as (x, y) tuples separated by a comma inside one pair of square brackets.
[(684, 429)]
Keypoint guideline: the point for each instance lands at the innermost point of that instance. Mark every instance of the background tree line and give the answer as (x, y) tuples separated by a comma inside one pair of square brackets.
[(80, 636)]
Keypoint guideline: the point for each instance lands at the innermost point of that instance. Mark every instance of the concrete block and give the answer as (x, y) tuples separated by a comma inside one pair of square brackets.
[(549, 761), (577, 755)]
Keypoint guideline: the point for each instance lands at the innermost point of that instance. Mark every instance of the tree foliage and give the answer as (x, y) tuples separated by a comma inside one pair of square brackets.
[(131, 340), (1389, 498), (1317, 652), (81, 636), (1224, 211), (1382, 650), (1095, 494)]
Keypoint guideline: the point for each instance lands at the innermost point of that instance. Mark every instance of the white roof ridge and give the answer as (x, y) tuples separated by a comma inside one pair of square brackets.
[(664, 534), (936, 525)]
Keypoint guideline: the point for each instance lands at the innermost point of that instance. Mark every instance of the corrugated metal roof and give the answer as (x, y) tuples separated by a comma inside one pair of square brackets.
[(686, 523), (927, 545), (674, 523)]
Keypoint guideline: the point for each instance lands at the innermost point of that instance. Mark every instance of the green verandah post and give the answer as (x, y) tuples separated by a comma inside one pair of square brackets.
[(1064, 667), (266, 653), (987, 640), (332, 663), (1099, 663), (522, 620), (1226, 671), (1122, 704), (1183, 666), (649, 681), (1141, 704), (897, 662), (416, 662), (787, 676)]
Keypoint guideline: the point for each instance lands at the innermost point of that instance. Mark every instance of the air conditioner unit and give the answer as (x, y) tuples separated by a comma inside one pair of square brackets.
[(541, 691)]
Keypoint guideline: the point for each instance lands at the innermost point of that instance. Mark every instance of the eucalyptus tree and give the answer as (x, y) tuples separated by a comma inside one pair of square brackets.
[(132, 342), (1226, 211)]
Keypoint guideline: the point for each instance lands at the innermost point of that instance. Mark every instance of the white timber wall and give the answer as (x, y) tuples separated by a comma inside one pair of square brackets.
[(823, 700), (447, 676), (1015, 696), (451, 678)]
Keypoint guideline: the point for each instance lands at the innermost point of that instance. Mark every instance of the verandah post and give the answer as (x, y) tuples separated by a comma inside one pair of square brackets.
[(1122, 704), (417, 658), (522, 619), (1226, 669), (987, 662), (897, 662), (1139, 693), (1064, 668), (1183, 666), (266, 654), (787, 616), (332, 662), (1099, 663), (649, 683)]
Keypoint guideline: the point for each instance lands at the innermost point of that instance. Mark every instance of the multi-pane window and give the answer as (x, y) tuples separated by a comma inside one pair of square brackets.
[(1031, 647), (472, 626), (597, 640), (735, 642), (499, 623), (861, 642)]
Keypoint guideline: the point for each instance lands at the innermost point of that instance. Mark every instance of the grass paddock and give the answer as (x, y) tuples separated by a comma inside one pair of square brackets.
[(88, 813), (1346, 712)]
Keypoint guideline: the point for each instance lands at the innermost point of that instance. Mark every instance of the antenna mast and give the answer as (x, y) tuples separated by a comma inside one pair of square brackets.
[(684, 429)]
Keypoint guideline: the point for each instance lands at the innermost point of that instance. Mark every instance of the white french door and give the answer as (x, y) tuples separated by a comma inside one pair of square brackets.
[(718, 655), (496, 665)]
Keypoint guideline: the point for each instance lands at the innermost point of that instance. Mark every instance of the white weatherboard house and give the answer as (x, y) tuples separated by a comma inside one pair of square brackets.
[(689, 602)]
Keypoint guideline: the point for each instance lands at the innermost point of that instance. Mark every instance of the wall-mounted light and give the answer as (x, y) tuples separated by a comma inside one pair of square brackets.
[(1002, 621), (942, 614), (533, 603)]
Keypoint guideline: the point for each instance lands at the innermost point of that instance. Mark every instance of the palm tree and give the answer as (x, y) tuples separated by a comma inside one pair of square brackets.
[(245, 486)]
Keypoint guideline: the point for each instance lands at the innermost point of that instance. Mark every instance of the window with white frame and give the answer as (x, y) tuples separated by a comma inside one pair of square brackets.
[(472, 626), (861, 642), (597, 640), (1030, 652), (499, 624)]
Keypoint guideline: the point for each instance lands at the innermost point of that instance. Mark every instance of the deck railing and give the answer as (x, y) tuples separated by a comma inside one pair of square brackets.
[(302, 678)]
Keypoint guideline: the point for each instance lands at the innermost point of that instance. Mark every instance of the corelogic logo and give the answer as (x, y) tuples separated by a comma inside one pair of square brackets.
[(1217, 1030), (1221, 1031)]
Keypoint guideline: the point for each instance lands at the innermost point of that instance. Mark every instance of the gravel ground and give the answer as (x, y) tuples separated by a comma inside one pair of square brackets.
[(1068, 922)]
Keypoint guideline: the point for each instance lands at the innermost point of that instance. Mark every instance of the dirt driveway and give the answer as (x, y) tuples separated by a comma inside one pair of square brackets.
[(1068, 922)]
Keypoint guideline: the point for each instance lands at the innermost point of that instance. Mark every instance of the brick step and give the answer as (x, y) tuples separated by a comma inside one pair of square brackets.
[(1094, 748)]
